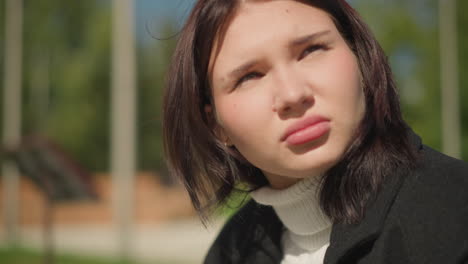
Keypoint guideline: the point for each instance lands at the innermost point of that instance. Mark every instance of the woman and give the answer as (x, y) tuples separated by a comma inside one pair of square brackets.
[(295, 102)]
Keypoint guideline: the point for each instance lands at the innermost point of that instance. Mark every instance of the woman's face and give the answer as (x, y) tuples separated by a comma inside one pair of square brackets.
[(286, 89)]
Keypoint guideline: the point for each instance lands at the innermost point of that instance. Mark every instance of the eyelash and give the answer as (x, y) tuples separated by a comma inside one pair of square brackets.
[(247, 77), (312, 48), (306, 52)]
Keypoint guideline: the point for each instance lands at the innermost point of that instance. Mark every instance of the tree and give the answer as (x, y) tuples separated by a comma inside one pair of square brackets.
[(67, 80), (67, 56), (408, 32), (153, 65)]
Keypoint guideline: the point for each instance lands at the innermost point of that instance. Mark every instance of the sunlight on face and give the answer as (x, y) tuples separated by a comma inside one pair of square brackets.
[(286, 89)]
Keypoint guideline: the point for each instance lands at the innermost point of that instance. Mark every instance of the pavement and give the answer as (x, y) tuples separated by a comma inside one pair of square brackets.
[(182, 241)]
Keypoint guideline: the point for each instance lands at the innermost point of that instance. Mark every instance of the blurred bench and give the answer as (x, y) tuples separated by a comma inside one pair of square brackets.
[(54, 172)]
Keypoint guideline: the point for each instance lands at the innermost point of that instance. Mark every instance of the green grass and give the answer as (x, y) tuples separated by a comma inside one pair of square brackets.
[(27, 256)]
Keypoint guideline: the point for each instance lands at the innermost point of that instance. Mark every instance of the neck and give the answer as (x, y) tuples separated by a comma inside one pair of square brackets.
[(279, 182)]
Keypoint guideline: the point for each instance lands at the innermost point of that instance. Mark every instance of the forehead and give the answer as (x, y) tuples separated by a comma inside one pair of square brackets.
[(258, 24), (274, 17)]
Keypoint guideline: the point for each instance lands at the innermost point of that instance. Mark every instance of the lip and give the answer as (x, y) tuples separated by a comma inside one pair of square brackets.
[(306, 130)]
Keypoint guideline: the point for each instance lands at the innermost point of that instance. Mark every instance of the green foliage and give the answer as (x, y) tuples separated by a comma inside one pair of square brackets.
[(153, 60), (28, 256), (2, 57), (25, 256), (408, 32), (66, 76), (463, 71)]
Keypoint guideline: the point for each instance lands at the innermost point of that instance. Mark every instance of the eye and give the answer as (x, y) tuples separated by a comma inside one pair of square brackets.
[(311, 49), (247, 77)]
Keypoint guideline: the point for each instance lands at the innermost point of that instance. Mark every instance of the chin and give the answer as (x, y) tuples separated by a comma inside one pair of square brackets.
[(318, 163)]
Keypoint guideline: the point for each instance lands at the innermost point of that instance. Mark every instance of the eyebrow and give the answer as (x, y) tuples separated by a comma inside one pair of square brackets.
[(241, 69), (305, 39), (294, 43)]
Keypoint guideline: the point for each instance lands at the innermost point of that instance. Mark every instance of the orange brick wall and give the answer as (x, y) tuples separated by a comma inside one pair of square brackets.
[(154, 203)]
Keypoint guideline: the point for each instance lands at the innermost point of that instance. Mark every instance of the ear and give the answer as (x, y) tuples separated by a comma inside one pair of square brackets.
[(218, 130)]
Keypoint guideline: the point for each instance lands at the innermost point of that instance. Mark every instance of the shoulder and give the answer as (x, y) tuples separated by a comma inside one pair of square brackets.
[(235, 227), (444, 177), (431, 208), (434, 179), (441, 163), (438, 183), (246, 231)]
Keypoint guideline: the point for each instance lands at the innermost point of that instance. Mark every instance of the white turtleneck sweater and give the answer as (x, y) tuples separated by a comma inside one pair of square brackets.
[(307, 229)]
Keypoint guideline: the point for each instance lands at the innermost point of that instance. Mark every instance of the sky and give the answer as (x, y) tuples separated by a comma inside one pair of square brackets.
[(150, 14)]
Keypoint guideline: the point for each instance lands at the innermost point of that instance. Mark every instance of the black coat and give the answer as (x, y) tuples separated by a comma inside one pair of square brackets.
[(419, 217)]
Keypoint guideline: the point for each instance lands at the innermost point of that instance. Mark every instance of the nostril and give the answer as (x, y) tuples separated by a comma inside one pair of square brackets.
[(306, 102)]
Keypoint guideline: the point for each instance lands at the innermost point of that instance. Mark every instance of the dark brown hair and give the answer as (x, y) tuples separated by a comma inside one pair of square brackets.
[(211, 171)]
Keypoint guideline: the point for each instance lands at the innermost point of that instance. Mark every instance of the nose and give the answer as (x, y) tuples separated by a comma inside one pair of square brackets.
[(293, 93)]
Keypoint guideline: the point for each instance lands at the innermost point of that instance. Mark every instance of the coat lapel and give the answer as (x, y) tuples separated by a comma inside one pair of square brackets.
[(344, 238), (266, 246)]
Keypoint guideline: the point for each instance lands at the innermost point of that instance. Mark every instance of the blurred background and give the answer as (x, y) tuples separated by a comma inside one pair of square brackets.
[(83, 175)]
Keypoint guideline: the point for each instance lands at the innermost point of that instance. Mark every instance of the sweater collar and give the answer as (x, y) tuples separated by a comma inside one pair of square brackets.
[(299, 210)]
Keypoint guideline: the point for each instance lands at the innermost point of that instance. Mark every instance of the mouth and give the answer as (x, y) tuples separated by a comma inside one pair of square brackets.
[(306, 130)]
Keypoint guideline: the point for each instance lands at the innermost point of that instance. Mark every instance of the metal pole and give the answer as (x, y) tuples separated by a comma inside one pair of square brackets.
[(123, 122), (451, 142), (12, 114)]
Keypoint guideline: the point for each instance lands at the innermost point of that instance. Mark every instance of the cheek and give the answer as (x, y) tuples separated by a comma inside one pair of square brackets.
[(351, 103), (243, 116), (342, 98), (348, 88), (227, 115), (232, 114)]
